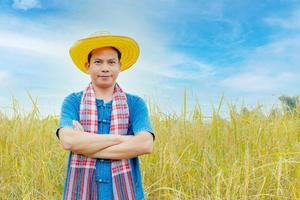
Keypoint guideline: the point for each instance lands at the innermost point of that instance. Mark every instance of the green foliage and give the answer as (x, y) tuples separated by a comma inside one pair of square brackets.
[(290, 104)]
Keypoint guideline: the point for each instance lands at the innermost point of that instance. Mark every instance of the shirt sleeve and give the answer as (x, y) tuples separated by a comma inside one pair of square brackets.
[(69, 112), (140, 118)]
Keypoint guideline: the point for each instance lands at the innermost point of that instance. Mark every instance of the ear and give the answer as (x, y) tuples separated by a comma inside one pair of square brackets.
[(87, 66)]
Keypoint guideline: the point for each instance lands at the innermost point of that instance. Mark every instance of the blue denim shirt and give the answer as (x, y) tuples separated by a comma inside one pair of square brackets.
[(138, 121)]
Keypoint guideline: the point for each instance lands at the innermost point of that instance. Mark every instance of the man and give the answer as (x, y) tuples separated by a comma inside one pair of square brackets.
[(104, 128)]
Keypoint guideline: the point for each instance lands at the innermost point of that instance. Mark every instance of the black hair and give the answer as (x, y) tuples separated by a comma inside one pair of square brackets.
[(114, 48)]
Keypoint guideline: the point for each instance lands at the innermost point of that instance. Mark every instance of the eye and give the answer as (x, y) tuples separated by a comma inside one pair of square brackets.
[(97, 61), (112, 62)]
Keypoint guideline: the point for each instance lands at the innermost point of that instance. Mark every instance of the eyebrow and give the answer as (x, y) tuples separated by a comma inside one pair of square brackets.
[(107, 59)]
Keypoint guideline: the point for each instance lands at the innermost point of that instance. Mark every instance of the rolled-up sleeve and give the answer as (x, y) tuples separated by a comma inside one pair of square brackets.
[(140, 118), (68, 113)]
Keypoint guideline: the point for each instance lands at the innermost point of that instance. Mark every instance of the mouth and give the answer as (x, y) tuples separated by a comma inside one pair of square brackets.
[(104, 77)]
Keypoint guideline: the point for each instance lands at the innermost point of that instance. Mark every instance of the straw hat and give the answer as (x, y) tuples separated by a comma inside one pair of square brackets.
[(127, 46)]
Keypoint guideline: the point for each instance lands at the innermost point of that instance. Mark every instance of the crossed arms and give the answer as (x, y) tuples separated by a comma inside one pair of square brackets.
[(105, 146)]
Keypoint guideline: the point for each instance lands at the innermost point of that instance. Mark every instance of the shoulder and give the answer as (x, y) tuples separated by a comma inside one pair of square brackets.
[(134, 100), (136, 104), (73, 98)]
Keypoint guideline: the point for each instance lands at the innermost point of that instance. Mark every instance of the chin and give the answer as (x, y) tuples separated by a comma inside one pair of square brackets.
[(103, 84)]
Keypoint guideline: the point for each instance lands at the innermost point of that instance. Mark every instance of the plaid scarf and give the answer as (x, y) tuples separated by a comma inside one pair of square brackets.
[(81, 176)]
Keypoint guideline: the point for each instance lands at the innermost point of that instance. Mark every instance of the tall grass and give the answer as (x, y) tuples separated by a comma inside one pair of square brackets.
[(250, 155)]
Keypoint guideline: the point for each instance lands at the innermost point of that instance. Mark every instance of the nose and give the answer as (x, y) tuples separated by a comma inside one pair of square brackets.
[(105, 68)]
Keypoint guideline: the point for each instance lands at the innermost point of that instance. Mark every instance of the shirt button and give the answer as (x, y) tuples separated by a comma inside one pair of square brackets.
[(103, 180)]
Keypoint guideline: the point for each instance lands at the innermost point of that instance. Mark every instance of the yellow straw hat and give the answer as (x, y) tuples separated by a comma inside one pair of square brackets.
[(127, 46)]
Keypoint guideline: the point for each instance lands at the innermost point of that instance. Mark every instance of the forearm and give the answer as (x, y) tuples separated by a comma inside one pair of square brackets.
[(135, 146), (84, 143)]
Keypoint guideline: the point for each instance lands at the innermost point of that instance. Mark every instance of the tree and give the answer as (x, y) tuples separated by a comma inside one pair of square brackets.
[(289, 103)]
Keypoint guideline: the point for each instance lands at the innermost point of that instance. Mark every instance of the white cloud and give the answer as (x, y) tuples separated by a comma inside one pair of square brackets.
[(274, 66), (256, 82), (26, 42), (5, 79), (65, 78), (290, 22), (286, 48), (176, 65), (26, 4), (160, 71), (3, 76)]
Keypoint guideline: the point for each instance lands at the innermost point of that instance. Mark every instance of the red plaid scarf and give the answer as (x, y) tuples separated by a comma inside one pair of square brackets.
[(81, 176)]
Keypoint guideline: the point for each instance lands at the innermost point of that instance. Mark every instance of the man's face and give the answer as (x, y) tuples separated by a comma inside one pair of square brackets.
[(104, 67)]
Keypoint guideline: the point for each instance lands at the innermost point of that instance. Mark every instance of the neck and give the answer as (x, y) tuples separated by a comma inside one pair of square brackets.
[(104, 93)]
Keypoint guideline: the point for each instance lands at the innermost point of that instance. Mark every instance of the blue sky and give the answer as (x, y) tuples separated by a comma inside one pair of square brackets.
[(246, 50)]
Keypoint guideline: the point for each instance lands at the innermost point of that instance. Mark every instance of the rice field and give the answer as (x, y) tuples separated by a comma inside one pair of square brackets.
[(249, 155)]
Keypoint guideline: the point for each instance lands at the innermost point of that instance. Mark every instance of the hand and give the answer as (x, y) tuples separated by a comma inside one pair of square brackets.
[(77, 126)]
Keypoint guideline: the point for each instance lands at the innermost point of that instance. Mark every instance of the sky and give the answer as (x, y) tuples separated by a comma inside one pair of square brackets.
[(245, 50)]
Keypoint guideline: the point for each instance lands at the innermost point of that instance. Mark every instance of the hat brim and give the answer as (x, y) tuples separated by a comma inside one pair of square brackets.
[(127, 46)]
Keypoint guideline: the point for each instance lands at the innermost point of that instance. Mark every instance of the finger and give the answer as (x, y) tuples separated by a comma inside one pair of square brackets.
[(79, 125), (75, 125)]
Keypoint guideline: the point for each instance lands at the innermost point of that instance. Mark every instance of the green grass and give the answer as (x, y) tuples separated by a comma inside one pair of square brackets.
[(250, 155)]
